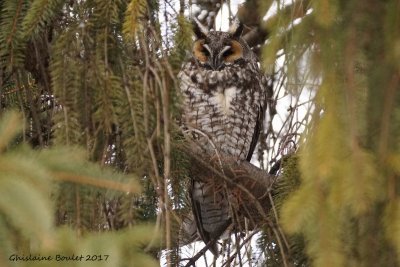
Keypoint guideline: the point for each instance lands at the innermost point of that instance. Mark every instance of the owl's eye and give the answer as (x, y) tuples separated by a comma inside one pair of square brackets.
[(205, 51), (234, 52), (200, 51), (227, 53)]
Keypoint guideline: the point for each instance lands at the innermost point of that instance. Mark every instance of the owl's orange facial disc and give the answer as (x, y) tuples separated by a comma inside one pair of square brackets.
[(234, 53), (200, 52)]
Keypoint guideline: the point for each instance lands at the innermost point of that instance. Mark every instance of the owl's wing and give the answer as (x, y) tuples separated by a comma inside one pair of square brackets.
[(257, 130)]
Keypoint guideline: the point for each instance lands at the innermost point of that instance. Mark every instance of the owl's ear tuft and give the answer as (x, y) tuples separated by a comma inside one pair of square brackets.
[(199, 29), (236, 28)]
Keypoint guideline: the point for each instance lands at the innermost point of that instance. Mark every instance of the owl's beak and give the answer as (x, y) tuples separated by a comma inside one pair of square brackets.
[(216, 63)]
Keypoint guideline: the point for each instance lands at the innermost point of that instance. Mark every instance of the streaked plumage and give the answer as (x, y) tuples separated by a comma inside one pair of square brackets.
[(224, 94)]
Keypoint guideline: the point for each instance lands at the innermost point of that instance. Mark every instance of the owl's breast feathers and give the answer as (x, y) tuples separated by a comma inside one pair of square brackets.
[(225, 105)]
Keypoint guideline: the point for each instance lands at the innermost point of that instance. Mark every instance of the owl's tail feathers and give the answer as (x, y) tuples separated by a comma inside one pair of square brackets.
[(190, 233), (211, 242), (211, 211)]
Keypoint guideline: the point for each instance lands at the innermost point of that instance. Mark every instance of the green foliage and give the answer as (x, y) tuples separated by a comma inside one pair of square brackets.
[(66, 73), (40, 13), (135, 13), (23, 201), (288, 182), (348, 196), (11, 35), (27, 194), (183, 40), (93, 83)]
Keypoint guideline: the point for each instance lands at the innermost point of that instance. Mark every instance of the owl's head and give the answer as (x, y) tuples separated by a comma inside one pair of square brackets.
[(215, 49)]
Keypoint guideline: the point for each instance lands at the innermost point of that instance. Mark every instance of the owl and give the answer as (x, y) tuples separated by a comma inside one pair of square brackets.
[(223, 93)]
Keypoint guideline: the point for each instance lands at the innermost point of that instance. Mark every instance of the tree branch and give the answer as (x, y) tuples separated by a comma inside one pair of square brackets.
[(248, 185)]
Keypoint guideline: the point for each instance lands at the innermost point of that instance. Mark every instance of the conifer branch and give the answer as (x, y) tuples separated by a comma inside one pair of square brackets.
[(101, 183)]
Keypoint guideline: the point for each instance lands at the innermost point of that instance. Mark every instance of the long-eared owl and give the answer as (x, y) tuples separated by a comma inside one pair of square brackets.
[(224, 95)]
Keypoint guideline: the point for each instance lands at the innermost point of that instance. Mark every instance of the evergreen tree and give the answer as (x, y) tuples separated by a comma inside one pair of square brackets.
[(89, 108)]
